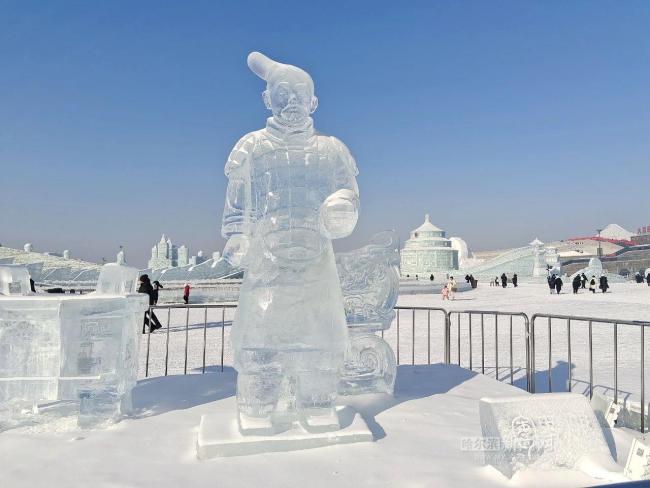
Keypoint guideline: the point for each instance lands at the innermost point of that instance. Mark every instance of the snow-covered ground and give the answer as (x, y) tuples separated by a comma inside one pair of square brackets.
[(626, 301), (418, 433)]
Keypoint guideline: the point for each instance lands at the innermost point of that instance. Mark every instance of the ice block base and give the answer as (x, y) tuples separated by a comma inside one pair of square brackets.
[(220, 437)]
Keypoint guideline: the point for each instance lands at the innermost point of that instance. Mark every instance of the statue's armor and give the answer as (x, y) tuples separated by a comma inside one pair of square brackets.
[(290, 318)]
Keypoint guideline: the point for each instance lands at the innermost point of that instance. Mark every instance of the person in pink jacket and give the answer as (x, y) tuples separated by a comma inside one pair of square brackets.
[(186, 293), (445, 293)]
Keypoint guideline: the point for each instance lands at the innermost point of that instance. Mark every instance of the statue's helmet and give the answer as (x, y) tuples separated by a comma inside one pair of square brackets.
[(271, 71)]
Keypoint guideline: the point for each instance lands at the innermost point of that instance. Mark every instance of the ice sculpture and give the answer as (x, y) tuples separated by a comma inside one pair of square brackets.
[(370, 284), (70, 349), (291, 191), (546, 432), (14, 280)]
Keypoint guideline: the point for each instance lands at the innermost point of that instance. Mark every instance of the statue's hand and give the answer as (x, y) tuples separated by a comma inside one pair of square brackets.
[(338, 214), (235, 249)]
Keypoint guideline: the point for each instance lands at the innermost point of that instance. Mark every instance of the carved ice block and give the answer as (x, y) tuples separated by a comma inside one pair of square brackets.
[(14, 280), (370, 285), (69, 349), (544, 432)]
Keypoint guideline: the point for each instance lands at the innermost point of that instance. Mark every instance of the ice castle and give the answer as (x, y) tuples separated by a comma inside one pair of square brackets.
[(428, 251)]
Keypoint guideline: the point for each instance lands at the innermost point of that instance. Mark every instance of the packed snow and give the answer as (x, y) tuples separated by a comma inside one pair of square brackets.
[(418, 434)]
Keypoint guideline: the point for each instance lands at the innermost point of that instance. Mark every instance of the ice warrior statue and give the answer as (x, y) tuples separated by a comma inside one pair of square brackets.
[(290, 192)]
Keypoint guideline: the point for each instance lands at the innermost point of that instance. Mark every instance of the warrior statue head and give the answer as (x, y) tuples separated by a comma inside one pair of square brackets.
[(289, 93)]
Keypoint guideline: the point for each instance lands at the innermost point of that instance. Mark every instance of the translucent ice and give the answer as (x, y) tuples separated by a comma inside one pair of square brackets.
[(116, 279), (71, 348), (14, 280), (370, 284), (543, 431), (291, 190)]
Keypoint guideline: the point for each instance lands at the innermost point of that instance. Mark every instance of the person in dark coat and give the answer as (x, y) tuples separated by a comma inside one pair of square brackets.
[(145, 287), (504, 280), (583, 277), (558, 284), (431, 277), (551, 282), (604, 285), (156, 286), (32, 285), (592, 285), (577, 281), (514, 280), (647, 278)]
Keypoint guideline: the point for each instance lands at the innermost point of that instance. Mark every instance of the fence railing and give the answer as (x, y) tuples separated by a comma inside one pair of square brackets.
[(169, 308), (413, 311), (482, 314), (567, 321), (444, 324)]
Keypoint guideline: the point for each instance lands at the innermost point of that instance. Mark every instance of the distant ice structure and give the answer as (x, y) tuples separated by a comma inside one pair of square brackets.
[(545, 432), (291, 191), (594, 268), (14, 280), (62, 349), (370, 282)]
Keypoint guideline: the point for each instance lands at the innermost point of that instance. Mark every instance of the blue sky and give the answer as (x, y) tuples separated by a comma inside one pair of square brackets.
[(504, 120)]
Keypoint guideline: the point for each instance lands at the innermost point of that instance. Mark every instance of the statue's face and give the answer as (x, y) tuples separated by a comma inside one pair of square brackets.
[(290, 96)]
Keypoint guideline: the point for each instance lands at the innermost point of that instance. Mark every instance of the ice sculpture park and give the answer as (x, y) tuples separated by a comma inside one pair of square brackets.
[(315, 383)]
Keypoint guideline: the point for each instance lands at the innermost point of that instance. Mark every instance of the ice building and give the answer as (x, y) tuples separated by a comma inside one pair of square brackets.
[(52, 268), (58, 350), (165, 254), (428, 251)]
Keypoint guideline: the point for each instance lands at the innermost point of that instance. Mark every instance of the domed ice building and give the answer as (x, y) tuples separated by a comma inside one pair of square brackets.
[(428, 251)]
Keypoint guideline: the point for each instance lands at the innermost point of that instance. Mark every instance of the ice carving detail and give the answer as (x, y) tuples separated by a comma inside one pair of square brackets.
[(370, 284)]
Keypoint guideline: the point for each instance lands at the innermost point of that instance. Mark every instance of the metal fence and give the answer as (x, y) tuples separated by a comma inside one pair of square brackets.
[(442, 325), (495, 315), (169, 308), (413, 310), (567, 321)]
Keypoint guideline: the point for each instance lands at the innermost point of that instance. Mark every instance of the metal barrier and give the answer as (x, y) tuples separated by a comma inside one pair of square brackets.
[(590, 321), (448, 320), (413, 310), (169, 308), (496, 315)]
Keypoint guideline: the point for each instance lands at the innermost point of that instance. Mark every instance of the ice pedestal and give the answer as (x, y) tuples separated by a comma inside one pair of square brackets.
[(75, 348), (219, 437), (545, 432)]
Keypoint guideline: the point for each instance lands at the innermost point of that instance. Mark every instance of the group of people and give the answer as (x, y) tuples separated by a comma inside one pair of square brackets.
[(152, 289), (580, 282), (503, 280), (638, 277)]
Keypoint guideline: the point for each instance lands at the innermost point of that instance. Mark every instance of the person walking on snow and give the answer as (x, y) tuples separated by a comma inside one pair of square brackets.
[(514, 280), (445, 293), (576, 284), (186, 293), (558, 284), (583, 277), (551, 283), (592, 285), (504, 280), (603, 284), (453, 287), (145, 287), (156, 286), (647, 278)]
